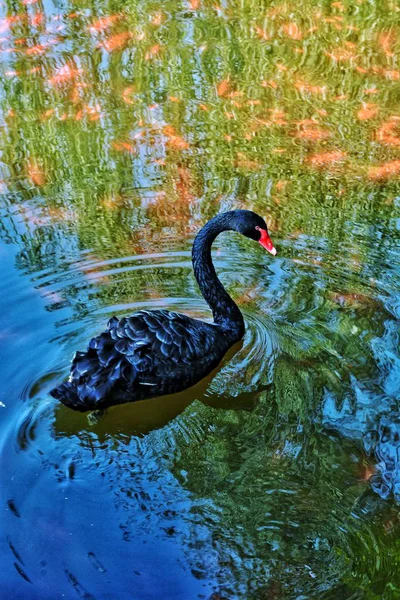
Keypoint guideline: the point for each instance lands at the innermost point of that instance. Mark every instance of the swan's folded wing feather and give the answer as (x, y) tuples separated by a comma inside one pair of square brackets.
[(141, 347), (144, 349), (152, 336)]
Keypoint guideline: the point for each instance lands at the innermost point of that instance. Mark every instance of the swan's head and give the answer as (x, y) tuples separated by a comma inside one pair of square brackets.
[(253, 226)]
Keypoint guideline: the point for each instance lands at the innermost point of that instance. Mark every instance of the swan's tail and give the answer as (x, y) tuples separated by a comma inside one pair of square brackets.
[(91, 390), (91, 383), (96, 376), (67, 394)]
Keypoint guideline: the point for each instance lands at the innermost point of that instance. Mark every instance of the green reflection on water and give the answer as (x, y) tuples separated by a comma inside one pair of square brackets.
[(125, 126)]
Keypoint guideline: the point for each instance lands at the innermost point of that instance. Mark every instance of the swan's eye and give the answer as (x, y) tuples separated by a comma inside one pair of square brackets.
[(265, 241)]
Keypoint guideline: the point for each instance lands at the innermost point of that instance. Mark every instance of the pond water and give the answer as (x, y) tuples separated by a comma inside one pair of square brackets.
[(125, 126)]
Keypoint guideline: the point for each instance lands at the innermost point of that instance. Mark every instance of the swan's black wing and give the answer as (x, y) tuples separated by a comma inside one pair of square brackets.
[(148, 354), (153, 339)]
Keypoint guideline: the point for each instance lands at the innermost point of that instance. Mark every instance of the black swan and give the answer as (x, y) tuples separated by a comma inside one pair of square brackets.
[(153, 353)]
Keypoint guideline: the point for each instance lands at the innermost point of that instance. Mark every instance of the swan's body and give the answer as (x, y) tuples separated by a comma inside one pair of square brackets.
[(153, 353)]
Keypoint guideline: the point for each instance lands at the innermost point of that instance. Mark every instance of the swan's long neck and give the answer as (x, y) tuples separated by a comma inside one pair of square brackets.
[(225, 311)]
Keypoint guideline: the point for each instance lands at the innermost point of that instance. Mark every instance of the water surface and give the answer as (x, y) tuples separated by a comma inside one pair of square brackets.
[(125, 126)]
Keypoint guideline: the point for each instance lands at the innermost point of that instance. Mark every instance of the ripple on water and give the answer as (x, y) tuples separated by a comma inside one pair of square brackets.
[(242, 492)]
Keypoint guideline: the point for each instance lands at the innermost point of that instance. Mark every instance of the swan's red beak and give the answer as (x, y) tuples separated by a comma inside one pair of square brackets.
[(265, 241)]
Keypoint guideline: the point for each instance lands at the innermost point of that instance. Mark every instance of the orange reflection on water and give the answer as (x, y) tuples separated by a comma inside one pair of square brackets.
[(371, 90), (127, 94), (103, 24), (312, 133), (223, 88), (303, 86), (387, 40), (36, 19), (261, 33), (38, 49), (116, 42), (173, 139), (323, 159), (389, 132), (385, 171), (64, 74), (342, 54), (153, 52), (243, 162), (35, 174), (368, 111), (292, 30), (123, 146)]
